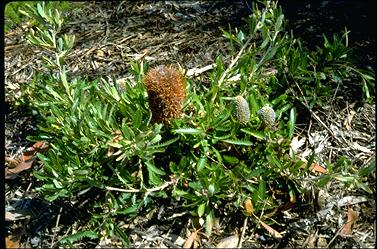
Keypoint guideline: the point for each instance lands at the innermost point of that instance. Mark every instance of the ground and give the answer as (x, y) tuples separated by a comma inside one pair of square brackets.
[(187, 34)]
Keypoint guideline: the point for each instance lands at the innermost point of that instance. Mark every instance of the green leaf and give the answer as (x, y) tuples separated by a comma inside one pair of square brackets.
[(279, 22), (264, 43), (40, 10), (283, 110), (79, 235), (238, 142), (156, 139), (257, 134), (201, 164), (210, 221), (178, 192), (274, 161), (323, 180), (254, 107), (154, 169), (363, 186), (262, 189), (344, 178), (54, 93), (166, 143), (367, 169), (292, 123), (121, 235), (137, 119), (240, 37), (201, 209), (191, 131), (231, 160)]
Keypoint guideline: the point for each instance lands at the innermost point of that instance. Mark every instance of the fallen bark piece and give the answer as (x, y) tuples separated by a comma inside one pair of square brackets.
[(28, 158), (351, 219)]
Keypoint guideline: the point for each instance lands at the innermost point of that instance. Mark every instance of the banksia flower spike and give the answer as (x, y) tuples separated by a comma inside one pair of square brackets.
[(242, 110), (166, 93), (268, 116)]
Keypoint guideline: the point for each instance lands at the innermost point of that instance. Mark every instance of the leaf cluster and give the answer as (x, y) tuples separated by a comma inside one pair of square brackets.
[(14, 11)]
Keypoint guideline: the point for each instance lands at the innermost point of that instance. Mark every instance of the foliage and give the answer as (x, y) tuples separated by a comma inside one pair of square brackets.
[(208, 161), (13, 17)]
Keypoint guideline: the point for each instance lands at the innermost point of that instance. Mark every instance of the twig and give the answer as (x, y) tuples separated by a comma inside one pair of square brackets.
[(338, 232), (198, 71), (177, 215), (230, 67), (336, 235), (233, 62), (56, 226), (243, 233), (147, 191), (316, 117)]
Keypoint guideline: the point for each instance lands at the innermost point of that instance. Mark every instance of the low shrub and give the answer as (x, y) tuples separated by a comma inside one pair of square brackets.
[(218, 146)]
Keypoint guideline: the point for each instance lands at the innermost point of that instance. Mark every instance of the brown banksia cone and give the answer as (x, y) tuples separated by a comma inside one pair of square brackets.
[(166, 93)]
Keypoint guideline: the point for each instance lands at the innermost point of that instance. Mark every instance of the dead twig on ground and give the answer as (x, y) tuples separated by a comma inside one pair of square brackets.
[(242, 233)]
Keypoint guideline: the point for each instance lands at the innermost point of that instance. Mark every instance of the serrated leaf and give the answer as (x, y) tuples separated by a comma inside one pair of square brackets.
[(79, 235), (191, 131), (156, 139), (238, 142), (154, 169), (166, 143), (257, 134)]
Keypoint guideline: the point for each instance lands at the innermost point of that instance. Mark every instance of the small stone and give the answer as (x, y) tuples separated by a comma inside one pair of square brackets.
[(35, 241)]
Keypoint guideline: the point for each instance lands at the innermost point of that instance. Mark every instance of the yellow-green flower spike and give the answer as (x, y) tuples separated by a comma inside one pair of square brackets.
[(242, 110), (267, 115)]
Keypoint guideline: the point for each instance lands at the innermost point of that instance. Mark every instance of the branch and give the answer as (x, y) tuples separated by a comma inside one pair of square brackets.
[(147, 191)]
